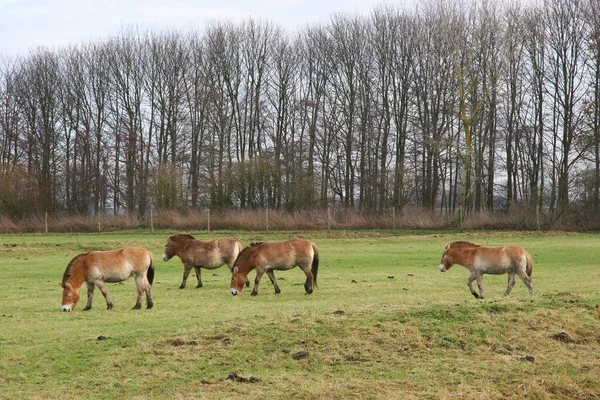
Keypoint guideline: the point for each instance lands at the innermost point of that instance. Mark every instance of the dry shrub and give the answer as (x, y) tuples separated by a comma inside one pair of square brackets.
[(252, 220), (183, 221), (519, 217), (93, 223), (8, 226), (417, 218), (483, 220)]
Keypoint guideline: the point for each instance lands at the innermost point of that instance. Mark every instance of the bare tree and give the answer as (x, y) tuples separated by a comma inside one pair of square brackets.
[(566, 37), (127, 110), (592, 15)]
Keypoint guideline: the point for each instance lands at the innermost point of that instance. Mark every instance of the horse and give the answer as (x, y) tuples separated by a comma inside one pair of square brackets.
[(97, 268), (267, 257), (511, 260), (199, 254)]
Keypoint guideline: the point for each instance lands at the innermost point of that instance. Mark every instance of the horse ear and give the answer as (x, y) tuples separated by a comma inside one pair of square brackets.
[(236, 270), (67, 285), (447, 246)]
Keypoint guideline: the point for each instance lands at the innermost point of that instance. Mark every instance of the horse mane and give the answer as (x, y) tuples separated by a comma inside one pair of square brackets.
[(462, 243), (69, 270), (180, 236), (246, 249)]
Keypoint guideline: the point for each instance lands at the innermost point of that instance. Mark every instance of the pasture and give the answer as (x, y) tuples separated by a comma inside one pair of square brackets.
[(383, 323)]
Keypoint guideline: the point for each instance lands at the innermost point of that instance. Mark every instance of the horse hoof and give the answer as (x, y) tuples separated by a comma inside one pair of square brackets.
[(109, 307), (150, 306), (87, 308), (137, 307), (253, 294)]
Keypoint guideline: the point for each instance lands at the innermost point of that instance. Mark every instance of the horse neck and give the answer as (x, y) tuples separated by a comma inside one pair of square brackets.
[(178, 245), (463, 256), (246, 267), (77, 276)]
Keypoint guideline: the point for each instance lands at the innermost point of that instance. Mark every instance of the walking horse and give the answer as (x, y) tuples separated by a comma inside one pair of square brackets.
[(267, 257), (511, 260)]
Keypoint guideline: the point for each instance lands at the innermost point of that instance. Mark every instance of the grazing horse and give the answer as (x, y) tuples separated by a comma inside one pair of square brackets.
[(511, 260), (266, 257), (97, 268), (199, 254)]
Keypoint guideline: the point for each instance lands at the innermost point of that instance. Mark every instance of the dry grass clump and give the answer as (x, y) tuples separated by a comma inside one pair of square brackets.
[(8, 226), (519, 217)]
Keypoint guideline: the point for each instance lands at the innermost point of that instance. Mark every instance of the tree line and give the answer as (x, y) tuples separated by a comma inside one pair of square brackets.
[(451, 106)]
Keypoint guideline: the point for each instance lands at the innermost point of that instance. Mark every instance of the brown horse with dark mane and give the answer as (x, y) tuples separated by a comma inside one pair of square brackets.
[(511, 260), (267, 257), (199, 254), (97, 268)]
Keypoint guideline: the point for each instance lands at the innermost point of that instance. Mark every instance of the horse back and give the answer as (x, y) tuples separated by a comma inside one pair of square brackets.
[(116, 265), (286, 254), (212, 252), (505, 258)]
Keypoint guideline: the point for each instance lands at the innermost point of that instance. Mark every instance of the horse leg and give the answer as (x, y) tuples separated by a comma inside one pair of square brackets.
[(148, 290), (198, 276), (308, 285), (186, 272), (259, 274), (470, 285), (91, 288), (479, 278), (526, 279), (511, 283), (273, 281), (104, 290), (139, 283)]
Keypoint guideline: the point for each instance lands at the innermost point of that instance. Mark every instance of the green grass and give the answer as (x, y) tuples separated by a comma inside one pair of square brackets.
[(383, 323)]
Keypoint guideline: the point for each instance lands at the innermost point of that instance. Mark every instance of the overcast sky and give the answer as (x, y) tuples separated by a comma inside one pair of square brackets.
[(28, 24)]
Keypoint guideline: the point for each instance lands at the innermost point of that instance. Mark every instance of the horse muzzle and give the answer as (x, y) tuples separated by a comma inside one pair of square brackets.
[(164, 257), (67, 307), (442, 268), (234, 291)]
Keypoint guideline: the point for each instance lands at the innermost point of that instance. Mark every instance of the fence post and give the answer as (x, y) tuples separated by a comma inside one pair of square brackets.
[(99, 229), (393, 218), (46, 222), (208, 219), (267, 218), (328, 219)]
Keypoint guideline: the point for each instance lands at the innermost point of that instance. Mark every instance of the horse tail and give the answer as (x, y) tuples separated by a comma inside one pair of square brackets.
[(150, 271), (315, 264), (240, 248), (529, 269)]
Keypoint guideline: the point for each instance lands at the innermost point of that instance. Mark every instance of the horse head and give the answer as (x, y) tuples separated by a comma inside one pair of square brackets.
[(238, 280), (241, 267), (454, 251), (70, 296), (168, 253), (72, 280), (174, 243), (447, 262)]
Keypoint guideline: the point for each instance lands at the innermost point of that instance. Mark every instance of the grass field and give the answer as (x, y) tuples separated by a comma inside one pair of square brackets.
[(384, 323)]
